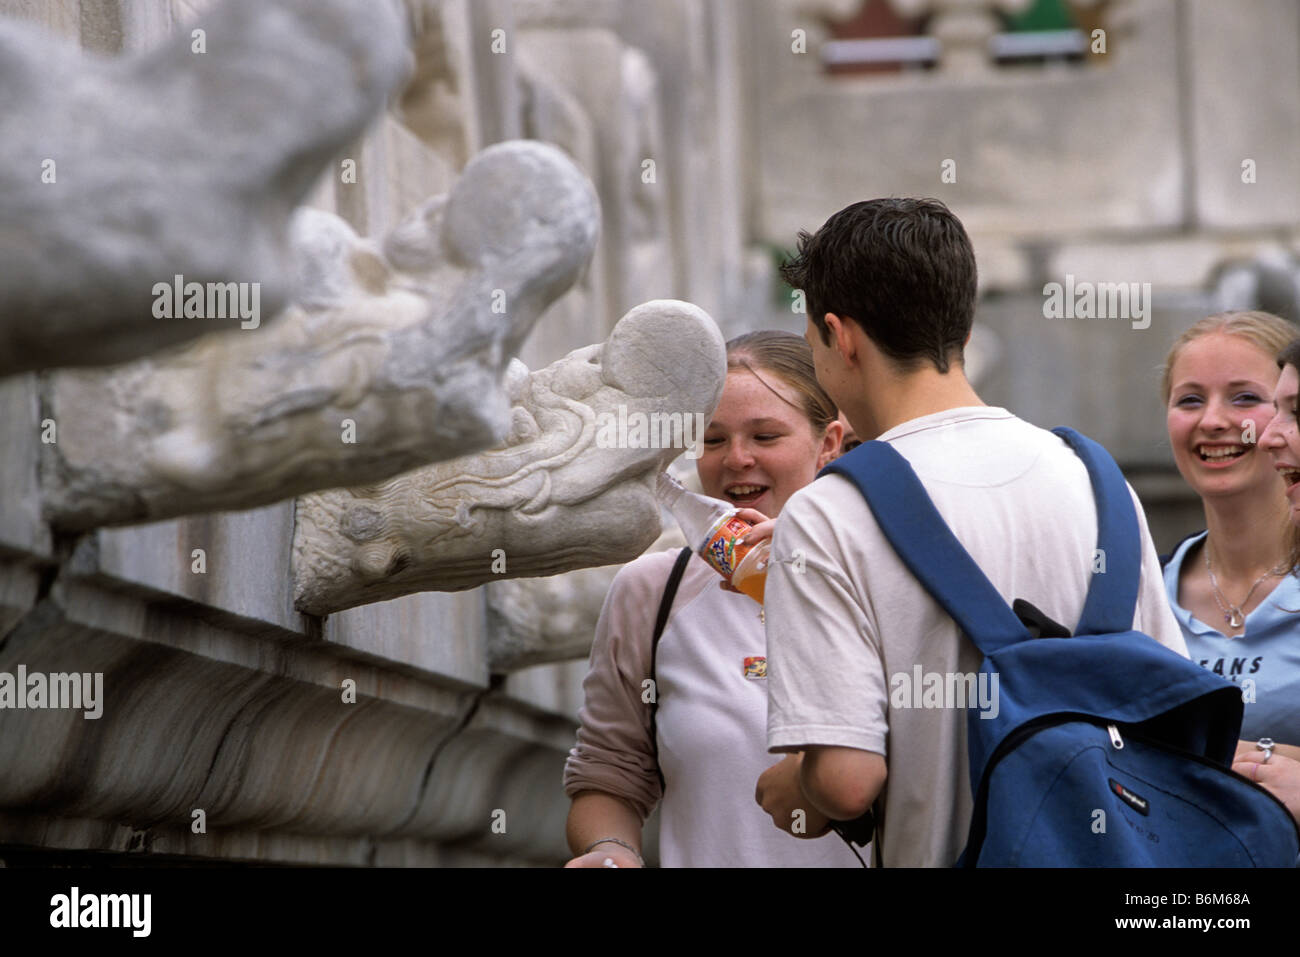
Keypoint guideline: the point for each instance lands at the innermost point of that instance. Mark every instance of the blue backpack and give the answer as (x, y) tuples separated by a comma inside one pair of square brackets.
[(1105, 720)]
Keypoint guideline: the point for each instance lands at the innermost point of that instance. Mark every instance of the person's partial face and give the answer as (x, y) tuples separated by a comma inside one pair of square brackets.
[(1282, 438), (1219, 406), (760, 448)]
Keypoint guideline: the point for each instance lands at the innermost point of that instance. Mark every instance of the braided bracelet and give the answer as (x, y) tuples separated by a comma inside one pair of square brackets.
[(614, 840)]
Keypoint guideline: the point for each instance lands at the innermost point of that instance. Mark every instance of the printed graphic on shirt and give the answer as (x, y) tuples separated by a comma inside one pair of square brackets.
[(1233, 668), (756, 667)]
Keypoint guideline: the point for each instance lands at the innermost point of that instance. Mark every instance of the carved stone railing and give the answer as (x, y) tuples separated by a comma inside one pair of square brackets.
[(118, 175), (391, 358), (570, 488)]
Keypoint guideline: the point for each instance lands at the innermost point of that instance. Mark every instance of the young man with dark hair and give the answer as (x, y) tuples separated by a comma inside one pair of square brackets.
[(861, 660)]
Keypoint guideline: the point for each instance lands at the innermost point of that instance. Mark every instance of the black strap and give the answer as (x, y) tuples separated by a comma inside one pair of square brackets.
[(665, 606), (861, 831)]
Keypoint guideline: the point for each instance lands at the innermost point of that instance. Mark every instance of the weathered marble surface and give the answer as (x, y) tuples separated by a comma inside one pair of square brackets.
[(390, 358), (534, 621), (308, 757), (552, 499), (117, 174), (1244, 124), (537, 620), (435, 105)]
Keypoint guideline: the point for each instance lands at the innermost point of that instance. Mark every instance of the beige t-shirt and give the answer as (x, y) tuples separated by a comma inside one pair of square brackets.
[(850, 631)]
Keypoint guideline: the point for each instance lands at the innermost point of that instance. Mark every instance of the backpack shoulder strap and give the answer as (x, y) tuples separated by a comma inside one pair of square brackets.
[(1117, 563), (665, 606), (927, 546)]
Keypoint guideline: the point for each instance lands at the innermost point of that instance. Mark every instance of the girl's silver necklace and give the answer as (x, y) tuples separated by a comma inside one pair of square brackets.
[(1233, 615)]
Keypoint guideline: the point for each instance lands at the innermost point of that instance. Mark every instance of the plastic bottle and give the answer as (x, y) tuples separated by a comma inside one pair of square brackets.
[(712, 528)]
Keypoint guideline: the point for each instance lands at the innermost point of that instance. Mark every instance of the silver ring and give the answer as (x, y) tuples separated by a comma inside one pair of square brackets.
[(1266, 745)]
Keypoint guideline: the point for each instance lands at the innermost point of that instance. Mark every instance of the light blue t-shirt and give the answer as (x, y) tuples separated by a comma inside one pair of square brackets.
[(1264, 660)]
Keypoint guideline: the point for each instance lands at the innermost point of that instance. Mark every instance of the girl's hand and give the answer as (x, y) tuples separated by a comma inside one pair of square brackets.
[(617, 855), (1278, 775), (762, 531), (763, 525)]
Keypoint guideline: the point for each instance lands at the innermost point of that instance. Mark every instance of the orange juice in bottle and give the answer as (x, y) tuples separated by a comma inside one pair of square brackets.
[(751, 573)]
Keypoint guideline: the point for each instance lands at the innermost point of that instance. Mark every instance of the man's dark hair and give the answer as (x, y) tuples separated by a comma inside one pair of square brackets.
[(902, 269)]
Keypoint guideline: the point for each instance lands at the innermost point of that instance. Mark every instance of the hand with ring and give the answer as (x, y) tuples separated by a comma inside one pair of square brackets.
[(1279, 776)]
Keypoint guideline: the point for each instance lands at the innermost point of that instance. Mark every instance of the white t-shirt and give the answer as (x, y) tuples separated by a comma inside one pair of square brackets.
[(711, 722), (850, 631)]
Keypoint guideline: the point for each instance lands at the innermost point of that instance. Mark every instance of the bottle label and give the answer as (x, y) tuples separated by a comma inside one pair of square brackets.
[(721, 552)]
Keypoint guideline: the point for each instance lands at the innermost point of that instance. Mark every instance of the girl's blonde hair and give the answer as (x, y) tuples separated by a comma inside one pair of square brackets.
[(789, 357), (1264, 330)]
